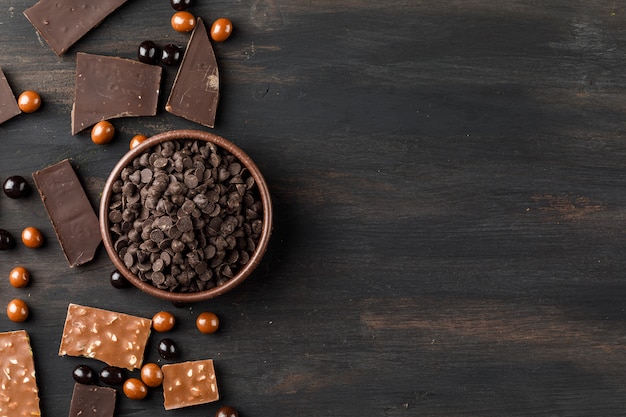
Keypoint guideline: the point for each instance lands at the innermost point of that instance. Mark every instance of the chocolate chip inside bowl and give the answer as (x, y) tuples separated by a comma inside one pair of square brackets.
[(185, 215)]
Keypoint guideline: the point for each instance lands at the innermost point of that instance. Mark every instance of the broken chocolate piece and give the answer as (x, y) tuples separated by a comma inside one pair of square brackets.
[(8, 103), (19, 396), (116, 339), (196, 88), (63, 22), (189, 383), (73, 218), (110, 87), (92, 401)]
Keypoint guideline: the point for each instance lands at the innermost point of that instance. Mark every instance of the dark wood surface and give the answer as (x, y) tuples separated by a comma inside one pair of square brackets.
[(448, 181)]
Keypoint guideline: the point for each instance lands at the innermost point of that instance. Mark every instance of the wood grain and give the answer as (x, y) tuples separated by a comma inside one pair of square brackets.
[(447, 181)]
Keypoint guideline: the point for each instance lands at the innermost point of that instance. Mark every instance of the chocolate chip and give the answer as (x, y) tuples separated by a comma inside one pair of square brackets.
[(115, 216)]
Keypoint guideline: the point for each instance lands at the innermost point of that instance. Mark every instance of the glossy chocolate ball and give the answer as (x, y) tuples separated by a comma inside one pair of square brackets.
[(102, 132), (6, 240), (17, 310), (15, 186), (135, 389), (171, 54), (118, 280), (83, 374), (167, 349), (136, 140), (207, 322), (19, 277), (180, 4), (221, 29), (152, 375), (163, 321), (183, 21), (112, 375), (226, 411), (149, 53), (29, 101), (32, 237)]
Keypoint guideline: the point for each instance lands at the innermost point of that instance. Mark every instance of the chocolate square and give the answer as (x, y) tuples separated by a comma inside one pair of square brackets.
[(110, 87), (63, 22), (92, 401)]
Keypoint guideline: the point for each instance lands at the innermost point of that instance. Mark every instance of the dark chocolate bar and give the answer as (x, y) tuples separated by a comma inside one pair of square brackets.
[(110, 87), (92, 401), (196, 88), (63, 22), (73, 218), (8, 103)]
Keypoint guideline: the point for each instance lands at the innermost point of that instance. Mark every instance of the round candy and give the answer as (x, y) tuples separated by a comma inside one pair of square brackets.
[(17, 310), (226, 411), (152, 375), (102, 132), (163, 321), (6, 240), (135, 389), (29, 101), (207, 322), (167, 349), (221, 29), (183, 21), (112, 375), (148, 53), (118, 280), (32, 237), (83, 374), (19, 277), (180, 4), (171, 54), (15, 186), (136, 140)]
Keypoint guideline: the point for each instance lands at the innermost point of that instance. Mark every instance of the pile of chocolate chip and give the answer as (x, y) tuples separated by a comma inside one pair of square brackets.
[(185, 215)]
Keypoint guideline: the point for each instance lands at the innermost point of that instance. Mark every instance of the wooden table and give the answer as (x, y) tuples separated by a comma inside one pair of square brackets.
[(448, 184)]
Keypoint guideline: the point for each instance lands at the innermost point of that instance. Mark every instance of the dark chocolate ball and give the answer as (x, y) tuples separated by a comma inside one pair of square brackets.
[(112, 375), (6, 240), (118, 280), (171, 54), (15, 187), (148, 53), (167, 349), (180, 4), (83, 374)]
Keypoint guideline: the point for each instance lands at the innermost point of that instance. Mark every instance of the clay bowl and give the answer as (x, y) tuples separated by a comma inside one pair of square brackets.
[(243, 270)]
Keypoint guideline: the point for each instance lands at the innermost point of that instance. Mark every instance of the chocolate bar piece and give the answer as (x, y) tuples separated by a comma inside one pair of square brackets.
[(19, 396), (92, 401), (74, 220), (196, 89), (8, 103), (109, 87), (116, 339), (189, 383), (63, 22)]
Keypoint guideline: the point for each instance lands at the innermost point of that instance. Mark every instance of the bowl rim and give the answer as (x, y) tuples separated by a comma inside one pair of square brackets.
[(255, 258)]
